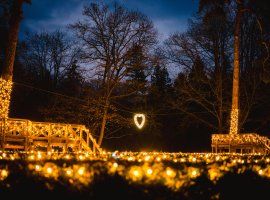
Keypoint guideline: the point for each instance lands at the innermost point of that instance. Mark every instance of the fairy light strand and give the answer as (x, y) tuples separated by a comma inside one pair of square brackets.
[(5, 92)]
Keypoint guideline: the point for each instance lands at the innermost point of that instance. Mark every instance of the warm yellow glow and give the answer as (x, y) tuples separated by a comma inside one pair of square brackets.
[(164, 171), (37, 167), (139, 124), (170, 172), (81, 171), (49, 170), (147, 158), (32, 157), (194, 173), (68, 172), (3, 174), (149, 171), (136, 173), (37, 131), (5, 92), (81, 157), (115, 165), (234, 121)]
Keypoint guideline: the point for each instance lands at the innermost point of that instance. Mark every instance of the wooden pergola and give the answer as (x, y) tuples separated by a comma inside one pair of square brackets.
[(240, 143), (21, 134)]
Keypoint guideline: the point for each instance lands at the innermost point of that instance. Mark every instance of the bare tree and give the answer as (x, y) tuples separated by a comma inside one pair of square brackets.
[(206, 44), (107, 36), (47, 55)]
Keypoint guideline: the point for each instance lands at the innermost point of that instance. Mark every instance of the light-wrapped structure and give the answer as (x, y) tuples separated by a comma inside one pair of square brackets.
[(240, 143), (5, 92), (21, 134)]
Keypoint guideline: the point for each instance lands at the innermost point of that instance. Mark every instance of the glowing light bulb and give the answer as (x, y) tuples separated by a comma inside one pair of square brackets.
[(169, 172), (81, 157), (147, 158), (68, 172), (149, 171), (194, 173), (115, 165), (136, 173), (81, 171), (4, 173), (37, 167), (49, 170), (32, 157)]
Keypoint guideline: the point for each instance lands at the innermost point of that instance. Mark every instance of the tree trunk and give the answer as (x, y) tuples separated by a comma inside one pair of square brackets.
[(16, 17), (220, 124), (7, 71), (103, 124), (234, 122)]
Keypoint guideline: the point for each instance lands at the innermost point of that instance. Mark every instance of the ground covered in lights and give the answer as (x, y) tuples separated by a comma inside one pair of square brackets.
[(134, 175)]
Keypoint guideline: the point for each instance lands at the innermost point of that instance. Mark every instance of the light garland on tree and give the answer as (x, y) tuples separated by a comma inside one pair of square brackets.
[(5, 92), (137, 123), (234, 121)]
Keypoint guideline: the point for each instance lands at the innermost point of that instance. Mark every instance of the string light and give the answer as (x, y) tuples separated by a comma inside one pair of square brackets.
[(5, 92), (68, 172), (49, 170), (164, 171), (149, 171), (252, 142), (234, 121), (81, 171), (137, 123), (3, 174)]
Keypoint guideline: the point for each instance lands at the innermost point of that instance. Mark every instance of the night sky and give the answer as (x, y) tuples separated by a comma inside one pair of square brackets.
[(168, 15)]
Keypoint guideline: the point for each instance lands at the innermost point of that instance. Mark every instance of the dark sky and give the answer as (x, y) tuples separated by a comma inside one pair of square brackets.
[(168, 15)]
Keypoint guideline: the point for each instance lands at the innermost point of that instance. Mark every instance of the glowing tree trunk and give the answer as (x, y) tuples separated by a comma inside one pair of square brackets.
[(7, 70), (234, 122)]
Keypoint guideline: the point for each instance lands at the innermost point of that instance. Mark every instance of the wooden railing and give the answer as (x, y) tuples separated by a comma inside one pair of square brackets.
[(252, 139), (26, 134)]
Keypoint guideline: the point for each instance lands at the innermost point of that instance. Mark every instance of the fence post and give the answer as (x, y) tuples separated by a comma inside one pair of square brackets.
[(26, 146), (49, 138), (80, 141)]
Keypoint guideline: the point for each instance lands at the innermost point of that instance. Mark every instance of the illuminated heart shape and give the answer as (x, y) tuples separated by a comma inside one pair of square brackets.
[(139, 124)]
